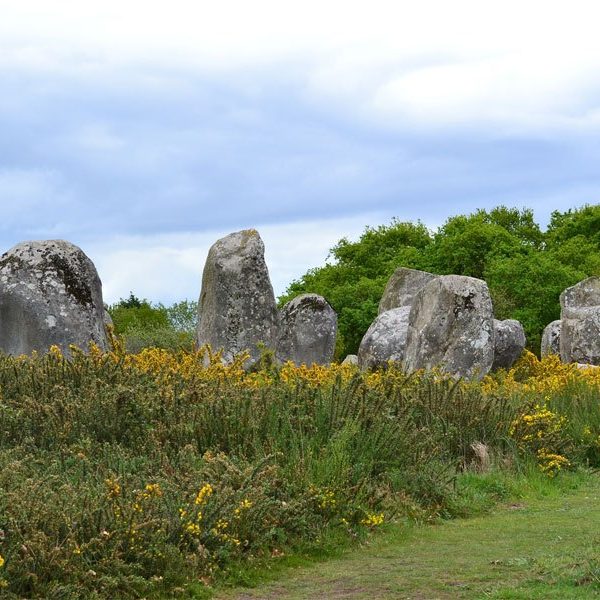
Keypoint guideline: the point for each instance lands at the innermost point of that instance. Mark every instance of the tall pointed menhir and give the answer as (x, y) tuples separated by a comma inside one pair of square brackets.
[(236, 309)]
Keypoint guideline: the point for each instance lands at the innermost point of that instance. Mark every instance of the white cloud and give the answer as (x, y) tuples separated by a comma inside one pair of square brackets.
[(435, 62)]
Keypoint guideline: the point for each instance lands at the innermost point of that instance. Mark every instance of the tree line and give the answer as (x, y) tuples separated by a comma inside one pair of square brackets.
[(525, 268)]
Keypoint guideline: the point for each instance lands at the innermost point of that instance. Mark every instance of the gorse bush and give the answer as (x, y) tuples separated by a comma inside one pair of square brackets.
[(136, 475)]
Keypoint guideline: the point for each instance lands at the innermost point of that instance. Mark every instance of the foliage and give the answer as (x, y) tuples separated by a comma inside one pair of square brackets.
[(183, 316), (130, 475), (526, 269), (527, 287), (146, 325), (465, 245), (559, 417)]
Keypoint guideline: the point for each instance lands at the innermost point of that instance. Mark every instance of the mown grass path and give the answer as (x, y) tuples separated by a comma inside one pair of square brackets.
[(540, 548)]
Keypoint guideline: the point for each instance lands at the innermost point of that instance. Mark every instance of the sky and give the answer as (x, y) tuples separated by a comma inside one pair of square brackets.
[(145, 131)]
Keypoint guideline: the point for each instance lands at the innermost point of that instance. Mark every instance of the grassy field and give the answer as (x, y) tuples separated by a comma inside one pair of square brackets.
[(542, 545)]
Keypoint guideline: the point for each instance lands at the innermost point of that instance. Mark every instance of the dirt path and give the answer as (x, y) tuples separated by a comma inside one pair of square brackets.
[(546, 548)]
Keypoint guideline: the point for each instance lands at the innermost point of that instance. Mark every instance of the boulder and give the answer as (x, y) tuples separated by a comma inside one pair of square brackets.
[(351, 359), (385, 340), (307, 331), (580, 322), (236, 309), (551, 338), (509, 343), (451, 326), (402, 287), (50, 294)]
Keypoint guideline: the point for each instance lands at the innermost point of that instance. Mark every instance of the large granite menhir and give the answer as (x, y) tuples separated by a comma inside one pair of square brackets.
[(307, 331), (402, 287), (451, 326), (580, 322), (236, 309), (50, 294)]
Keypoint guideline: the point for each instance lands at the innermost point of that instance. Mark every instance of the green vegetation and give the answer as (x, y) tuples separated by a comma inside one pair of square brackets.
[(525, 268), (542, 544), (137, 475), (146, 325)]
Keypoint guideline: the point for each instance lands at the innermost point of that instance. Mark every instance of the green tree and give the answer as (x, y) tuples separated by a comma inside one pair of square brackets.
[(143, 324), (579, 223), (134, 313), (527, 287), (574, 238), (183, 316), (465, 245)]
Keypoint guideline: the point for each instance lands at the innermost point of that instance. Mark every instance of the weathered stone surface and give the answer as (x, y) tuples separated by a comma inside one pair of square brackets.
[(551, 338), (451, 327), (584, 294), (580, 322), (509, 343), (385, 339), (50, 294), (402, 287), (236, 309), (351, 359), (108, 322), (307, 331)]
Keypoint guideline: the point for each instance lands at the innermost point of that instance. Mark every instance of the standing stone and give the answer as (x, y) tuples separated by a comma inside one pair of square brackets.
[(402, 287), (551, 338), (307, 331), (580, 327), (50, 294), (385, 339), (236, 309), (451, 326), (509, 343)]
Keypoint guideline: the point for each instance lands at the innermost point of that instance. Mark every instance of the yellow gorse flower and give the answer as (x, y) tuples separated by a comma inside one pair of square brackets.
[(204, 494), (114, 489), (373, 520), (550, 463), (192, 528), (531, 374)]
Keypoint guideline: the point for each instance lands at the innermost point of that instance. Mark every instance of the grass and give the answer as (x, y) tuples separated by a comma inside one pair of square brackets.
[(543, 544)]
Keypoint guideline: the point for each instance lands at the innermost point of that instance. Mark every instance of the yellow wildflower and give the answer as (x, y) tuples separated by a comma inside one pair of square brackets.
[(203, 494), (373, 520)]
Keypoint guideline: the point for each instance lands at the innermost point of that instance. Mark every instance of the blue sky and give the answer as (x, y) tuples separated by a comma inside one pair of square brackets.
[(145, 131)]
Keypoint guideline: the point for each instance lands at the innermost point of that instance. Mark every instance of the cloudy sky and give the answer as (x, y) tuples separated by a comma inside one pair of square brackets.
[(144, 131)]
